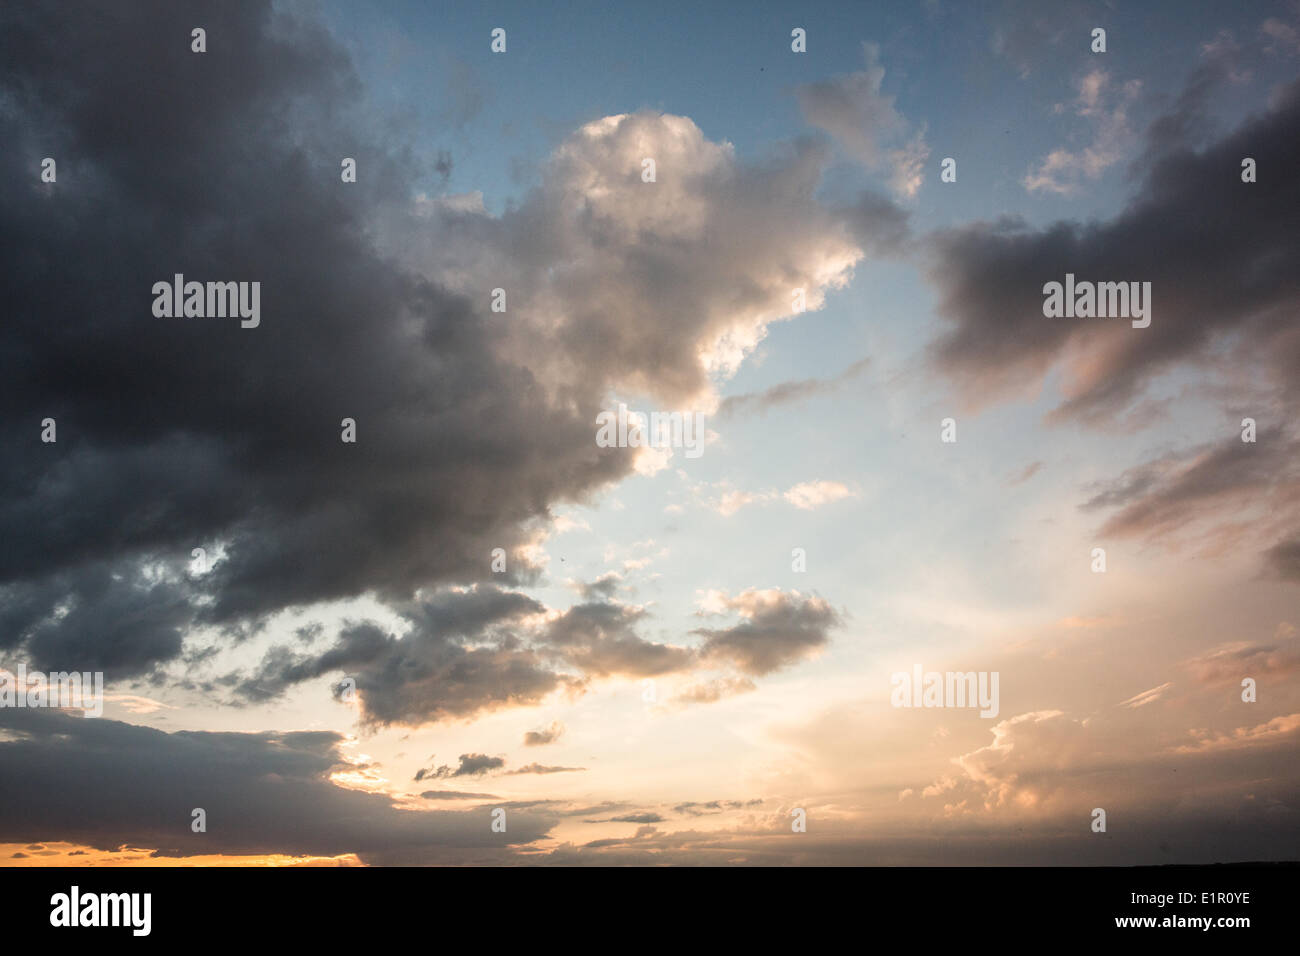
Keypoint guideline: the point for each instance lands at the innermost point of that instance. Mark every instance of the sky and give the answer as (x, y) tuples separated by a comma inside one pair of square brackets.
[(477, 635)]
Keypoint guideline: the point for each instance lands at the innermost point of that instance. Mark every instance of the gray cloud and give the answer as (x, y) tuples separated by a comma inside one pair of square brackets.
[(776, 630), (632, 818), (697, 809), (547, 735), (1207, 488), (1284, 559), (469, 765), (786, 392), (469, 651), (263, 793), (990, 277), (603, 588), (455, 795), (600, 639), (1031, 36), (459, 657), (1169, 492), (226, 166), (853, 108), (471, 426), (707, 692), (539, 768)]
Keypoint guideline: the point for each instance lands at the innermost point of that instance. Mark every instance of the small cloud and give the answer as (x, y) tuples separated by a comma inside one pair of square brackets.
[(632, 818), (539, 768), (471, 765), (698, 809), (714, 690), (814, 494), (1028, 472), (547, 735), (1064, 171), (1146, 697), (456, 795)]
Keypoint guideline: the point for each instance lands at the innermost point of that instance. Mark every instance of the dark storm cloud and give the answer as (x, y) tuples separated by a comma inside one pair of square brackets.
[(263, 793), (777, 629), (180, 433), (1220, 255)]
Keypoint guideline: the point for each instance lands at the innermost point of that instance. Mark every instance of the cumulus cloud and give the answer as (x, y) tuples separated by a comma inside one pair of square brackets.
[(655, 288), (103, 522), (472, 426)]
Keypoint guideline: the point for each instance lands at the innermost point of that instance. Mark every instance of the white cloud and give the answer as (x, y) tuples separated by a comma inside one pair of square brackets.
[(1105, 106), (814, 494)]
